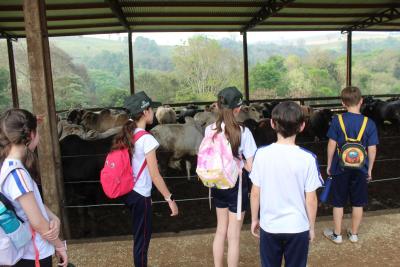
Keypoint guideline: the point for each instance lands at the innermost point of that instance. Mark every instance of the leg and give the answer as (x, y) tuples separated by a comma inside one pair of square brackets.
[(337, 220), (356, 218), (296, 249), (340, 193), (188, 168), (220, 236), (234, 227), (141, 211), (359, 199), (271, 249)]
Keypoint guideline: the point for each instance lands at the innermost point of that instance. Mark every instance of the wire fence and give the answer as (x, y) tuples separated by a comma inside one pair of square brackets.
[(191, 199)]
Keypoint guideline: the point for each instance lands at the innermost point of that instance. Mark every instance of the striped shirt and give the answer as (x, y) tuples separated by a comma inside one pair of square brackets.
[(17, 183)]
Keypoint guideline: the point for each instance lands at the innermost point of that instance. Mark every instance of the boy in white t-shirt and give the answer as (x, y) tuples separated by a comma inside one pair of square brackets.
[(285, 178)]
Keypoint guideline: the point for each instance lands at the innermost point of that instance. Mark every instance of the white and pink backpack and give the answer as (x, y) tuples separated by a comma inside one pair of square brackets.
[(216, 165)]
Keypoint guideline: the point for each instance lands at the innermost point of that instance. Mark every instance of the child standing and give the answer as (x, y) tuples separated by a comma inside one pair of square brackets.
[(285, 178), (18, 140), (145, 169), (226, 200), (349, 182)]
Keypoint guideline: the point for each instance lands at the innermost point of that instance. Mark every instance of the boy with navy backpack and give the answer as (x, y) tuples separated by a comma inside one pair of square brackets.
[(285, 178), (351, 155)]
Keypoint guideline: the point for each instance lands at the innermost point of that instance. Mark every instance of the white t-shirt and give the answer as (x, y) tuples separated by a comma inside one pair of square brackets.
[(144, 145), (16, 184), (247, 146), (284, 173)]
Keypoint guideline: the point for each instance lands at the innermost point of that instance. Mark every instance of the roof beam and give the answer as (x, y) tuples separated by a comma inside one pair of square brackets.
[(204, 4), (117, 10), (379, 19), (194, 23), (270, 8)]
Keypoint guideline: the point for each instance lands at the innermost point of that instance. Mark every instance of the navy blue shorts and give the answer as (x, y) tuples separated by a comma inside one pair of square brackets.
[(350, 184), (294, 247), (227, 198)]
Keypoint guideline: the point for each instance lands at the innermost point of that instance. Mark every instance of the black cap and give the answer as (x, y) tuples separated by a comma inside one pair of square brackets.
[(138, 102), (230, 97)]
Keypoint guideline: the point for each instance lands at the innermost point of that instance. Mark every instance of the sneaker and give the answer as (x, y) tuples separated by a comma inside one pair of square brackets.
[(352, 238), (337, 239)]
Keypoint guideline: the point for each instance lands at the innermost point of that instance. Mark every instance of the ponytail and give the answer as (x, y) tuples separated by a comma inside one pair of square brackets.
[(232, 127), (124, 139)]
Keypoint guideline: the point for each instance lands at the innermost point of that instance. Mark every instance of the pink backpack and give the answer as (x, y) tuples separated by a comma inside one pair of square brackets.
[(117, 177), (216, 165)]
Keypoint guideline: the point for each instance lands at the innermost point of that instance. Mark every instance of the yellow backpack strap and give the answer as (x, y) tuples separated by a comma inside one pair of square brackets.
[(342, 126), (362, 130)]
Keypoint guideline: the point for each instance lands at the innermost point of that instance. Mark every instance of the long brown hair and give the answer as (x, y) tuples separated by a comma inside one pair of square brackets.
[(124, 139), (232, 127), (16, 126)]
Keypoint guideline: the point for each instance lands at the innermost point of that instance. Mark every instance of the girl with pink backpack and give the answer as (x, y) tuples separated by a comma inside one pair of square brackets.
[(142, 149), (226, 148)]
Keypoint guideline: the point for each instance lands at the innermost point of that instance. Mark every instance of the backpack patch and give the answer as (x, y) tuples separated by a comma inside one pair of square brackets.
[(352, 154)]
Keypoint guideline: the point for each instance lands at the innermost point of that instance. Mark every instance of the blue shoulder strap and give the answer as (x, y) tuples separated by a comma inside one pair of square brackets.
[(7, 202)]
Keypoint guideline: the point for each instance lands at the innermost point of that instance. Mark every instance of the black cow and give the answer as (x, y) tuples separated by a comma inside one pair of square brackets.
[(262, 131), (189, 111), (319, 123), (82, 160), (381, 111)]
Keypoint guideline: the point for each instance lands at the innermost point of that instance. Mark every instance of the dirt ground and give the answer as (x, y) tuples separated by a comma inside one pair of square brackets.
[(378, 246)]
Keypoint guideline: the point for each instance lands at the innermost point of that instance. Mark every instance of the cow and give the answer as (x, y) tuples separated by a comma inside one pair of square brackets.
[(262, 131), (319, 123), (75, 116), (188, 111), (103, 120), (178, 142), (381, 111), (247, 112), (64, 128), (82, 160), (165, 115)]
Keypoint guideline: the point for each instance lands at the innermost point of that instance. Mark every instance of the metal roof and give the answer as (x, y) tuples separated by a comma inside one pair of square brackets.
[(77, 17)]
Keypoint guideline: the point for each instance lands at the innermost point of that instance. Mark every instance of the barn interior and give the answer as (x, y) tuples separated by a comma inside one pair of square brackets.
[(37, 20)]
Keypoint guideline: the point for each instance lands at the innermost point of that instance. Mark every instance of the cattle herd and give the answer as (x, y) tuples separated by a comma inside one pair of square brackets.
[(86, 137), (84, 133)]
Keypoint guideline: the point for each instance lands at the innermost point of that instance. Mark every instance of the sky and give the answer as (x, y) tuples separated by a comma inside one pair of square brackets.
[(178, 38)]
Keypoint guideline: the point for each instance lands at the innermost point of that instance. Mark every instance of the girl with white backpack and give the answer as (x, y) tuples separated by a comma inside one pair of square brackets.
[(226, 148), (18, 175)]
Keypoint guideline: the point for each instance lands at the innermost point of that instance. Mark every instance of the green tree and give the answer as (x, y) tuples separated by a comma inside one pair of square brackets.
[(204, 67), (5, 92), (70, 92), (270, 75)]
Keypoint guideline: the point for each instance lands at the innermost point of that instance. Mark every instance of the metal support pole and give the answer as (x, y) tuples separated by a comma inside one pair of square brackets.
[(245, 67), (131, 74), (349, 58), (13, 78), (43, 104)]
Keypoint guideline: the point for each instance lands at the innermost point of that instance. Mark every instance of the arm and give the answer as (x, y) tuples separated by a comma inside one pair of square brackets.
[(330, 152), (40, 225), (55, 224), (255, 207), (311, 207), (371, 160), (248, 164), (159, 181)]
